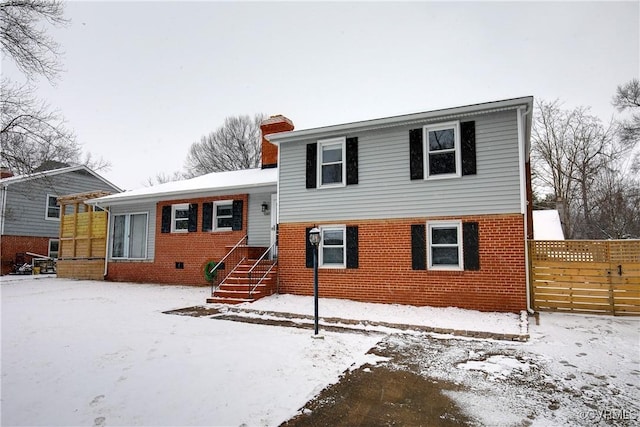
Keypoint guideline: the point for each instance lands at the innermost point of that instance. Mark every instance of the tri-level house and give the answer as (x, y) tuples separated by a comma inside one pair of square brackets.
[(30, 213), (431, 208)]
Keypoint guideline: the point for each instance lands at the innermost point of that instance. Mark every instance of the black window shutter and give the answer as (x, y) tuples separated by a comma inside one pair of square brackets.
[(468, 141), (418, 247), (352, 247), (416, 155), (352, 161), (166, 219), (312, 165), (309, 250), (193, 217), (207, 216), (471, 246), (236, 223)]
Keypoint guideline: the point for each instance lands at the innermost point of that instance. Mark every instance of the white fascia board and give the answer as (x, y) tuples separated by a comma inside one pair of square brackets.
[(124, 199), (508, 104), (21, 178)]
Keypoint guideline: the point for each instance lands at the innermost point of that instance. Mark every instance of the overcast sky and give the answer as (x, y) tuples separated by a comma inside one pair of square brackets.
[(144, 80)]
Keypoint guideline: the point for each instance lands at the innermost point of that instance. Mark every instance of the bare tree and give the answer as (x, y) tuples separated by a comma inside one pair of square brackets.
[(234, 145), (163, 177), (570, 149), (28, 44), (618, 205), (31, 133)]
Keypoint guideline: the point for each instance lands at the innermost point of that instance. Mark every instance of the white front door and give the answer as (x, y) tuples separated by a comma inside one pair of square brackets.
[(274, 224)]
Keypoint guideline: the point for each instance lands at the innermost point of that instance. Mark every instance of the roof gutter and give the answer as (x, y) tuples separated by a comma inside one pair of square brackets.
[(3, 204), (124, 198)]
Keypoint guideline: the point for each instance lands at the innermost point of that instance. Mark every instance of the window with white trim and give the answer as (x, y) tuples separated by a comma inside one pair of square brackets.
[(180, 218), (129, 236), (444, 239), (54, 247), (331, 160), (223, 215), (53, 210), (442, 148), (332, 251)]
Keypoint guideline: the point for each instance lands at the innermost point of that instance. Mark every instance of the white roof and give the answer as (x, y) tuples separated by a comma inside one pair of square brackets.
[(547, 226), (245, 181)]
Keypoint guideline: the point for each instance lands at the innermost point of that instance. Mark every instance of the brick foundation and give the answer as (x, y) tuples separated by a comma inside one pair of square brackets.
[(385, 275), (10, 245)]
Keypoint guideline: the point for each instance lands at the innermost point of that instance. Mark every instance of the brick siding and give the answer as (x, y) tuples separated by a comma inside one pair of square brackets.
[(193, 249), (385, 275)]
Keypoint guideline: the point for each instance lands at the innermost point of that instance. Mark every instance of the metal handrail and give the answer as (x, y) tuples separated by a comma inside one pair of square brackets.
[(250, 272), (221, 262)]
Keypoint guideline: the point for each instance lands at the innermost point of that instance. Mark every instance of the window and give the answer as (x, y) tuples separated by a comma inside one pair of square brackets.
[(129, 236), (180, 218), (331, 162), (223, 215), (332, 251), (53, 210), (442, 145), (444, 245), (54, 245)]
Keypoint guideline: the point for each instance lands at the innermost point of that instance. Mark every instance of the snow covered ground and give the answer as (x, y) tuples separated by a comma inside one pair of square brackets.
[(96, 353)]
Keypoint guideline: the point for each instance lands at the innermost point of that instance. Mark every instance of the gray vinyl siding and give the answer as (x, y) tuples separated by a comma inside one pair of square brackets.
[(26, 202), (385, 189), (134, 208), (259, 224)]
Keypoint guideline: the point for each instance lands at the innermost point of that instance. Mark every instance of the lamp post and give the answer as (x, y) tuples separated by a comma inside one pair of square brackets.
[(314, 239)]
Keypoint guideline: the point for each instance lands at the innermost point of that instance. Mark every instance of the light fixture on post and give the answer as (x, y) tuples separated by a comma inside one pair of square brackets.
[(265, 208), (314, 239)]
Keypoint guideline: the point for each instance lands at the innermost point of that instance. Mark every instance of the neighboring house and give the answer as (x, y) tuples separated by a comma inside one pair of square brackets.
[(169, 233), (29, 210), (424, 209)]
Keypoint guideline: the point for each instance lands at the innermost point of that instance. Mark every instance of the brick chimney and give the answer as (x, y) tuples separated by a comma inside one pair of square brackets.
[(5, 173), (273, 124)]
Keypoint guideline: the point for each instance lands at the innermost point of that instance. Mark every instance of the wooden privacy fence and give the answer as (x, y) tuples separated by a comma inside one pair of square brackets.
[(585, 276), (83, 237)]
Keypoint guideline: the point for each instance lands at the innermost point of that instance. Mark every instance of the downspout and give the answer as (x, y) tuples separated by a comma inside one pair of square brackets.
[(523, 197), (3, 204)]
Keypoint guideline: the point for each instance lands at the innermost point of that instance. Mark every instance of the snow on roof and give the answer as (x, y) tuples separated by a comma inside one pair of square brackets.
[(547, 226), (246, 180)]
